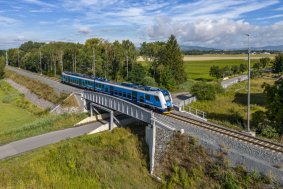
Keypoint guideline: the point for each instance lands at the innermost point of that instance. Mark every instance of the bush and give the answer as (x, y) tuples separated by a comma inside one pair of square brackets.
[(205, 91)]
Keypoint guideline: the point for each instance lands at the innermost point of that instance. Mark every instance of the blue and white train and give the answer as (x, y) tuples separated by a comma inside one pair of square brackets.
[(153, 98)]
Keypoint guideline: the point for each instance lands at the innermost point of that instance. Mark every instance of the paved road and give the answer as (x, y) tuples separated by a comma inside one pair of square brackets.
[(18, 147), (229, 82), (58, 87)]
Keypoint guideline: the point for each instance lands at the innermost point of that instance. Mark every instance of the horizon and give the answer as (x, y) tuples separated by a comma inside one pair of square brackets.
[(213, 24)]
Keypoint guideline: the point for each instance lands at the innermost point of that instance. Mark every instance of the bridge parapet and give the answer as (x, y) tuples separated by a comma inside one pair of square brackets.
[(119, 105)]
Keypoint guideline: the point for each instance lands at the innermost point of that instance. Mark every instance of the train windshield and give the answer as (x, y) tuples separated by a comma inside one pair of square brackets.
[(167, 98)]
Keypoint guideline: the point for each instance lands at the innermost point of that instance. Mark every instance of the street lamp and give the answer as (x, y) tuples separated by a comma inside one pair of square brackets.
[(249, 84)]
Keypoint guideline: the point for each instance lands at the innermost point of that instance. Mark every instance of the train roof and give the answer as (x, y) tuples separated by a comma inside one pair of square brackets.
[(126, 84)]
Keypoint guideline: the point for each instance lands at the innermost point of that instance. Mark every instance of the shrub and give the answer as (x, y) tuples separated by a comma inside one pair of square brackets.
[(205, 91)]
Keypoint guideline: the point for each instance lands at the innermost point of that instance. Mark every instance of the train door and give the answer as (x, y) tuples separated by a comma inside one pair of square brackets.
[(134, 95), (111, 90)]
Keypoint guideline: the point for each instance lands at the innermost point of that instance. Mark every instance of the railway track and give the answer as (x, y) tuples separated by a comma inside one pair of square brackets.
[(274, 147)]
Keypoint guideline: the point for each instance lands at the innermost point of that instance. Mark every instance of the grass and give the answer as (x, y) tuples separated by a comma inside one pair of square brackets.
[(70, 102), (199, 70), (105, 160), (42, 90), (15, 109), (187, 165), (39, 126), (230, 108)]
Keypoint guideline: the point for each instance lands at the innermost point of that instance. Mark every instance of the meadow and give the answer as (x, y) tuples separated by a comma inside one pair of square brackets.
[(230, 108), (199, 70)]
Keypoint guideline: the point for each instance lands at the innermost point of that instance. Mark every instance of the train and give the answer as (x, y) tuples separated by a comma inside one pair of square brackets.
[(156, 99)]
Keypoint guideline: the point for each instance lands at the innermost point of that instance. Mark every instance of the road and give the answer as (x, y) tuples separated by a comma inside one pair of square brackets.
[(20, 146), (231, 81), (58, 87)]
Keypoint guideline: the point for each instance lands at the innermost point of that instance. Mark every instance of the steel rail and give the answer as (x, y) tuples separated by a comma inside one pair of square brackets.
[(274, 147)]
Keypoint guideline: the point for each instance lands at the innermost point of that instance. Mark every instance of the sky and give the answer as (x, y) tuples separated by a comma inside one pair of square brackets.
[(208, 23)]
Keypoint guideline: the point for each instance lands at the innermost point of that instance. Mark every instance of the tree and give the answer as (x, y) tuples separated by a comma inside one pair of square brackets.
[(243, 68), (274, 94), (137, 74), (171, 65), (203, 91), (2, 67), (235, 69), (264, 61), (215, 71), (278, 63)]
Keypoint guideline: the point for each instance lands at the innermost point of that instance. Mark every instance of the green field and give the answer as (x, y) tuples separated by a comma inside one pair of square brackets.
[(230, 108), (11, 115), (199, 70), (20, 118), (105, 160)]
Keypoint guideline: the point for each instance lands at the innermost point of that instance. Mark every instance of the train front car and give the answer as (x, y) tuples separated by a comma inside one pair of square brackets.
[(167, 101)]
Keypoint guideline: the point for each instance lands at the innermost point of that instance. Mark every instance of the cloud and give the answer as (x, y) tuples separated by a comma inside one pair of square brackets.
[(6, 20), (40, 3), (84, 29)]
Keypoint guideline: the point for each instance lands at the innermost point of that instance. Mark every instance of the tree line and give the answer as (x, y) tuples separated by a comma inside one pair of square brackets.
[(116, 60)]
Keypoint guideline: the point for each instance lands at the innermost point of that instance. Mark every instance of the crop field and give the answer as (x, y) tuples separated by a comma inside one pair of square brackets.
[(220, 57), (225, 57), (199, 70)]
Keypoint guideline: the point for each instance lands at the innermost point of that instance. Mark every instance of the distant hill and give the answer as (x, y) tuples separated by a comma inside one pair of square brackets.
[(190, 48), (271, 48), (199, 48)]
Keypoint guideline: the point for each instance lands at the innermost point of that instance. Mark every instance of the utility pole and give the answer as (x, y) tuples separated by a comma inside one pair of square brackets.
[(18, 59), (7, 62), (93, 63), (40, 62), (75, 62), (106, 62), (127, 60), (249, 84)]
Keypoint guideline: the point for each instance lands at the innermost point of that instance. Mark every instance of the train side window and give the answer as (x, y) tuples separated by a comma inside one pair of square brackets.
[(147, 97), (124, 94), (120, 93), (156, 98), (102, 86), (129, 95), (115, 92), (96, 84), (141, 99), (106, 89)]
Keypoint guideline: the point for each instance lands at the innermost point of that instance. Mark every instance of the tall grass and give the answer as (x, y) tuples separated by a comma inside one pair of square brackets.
[(187, 165), (105, 160)]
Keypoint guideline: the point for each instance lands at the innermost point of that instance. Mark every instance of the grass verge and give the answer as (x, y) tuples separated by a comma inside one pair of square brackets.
[(42, 90), (40, 126), (15, 109), (105, 160)]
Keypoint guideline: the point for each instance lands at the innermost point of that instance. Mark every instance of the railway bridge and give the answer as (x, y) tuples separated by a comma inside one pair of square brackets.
[(94, 101)]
